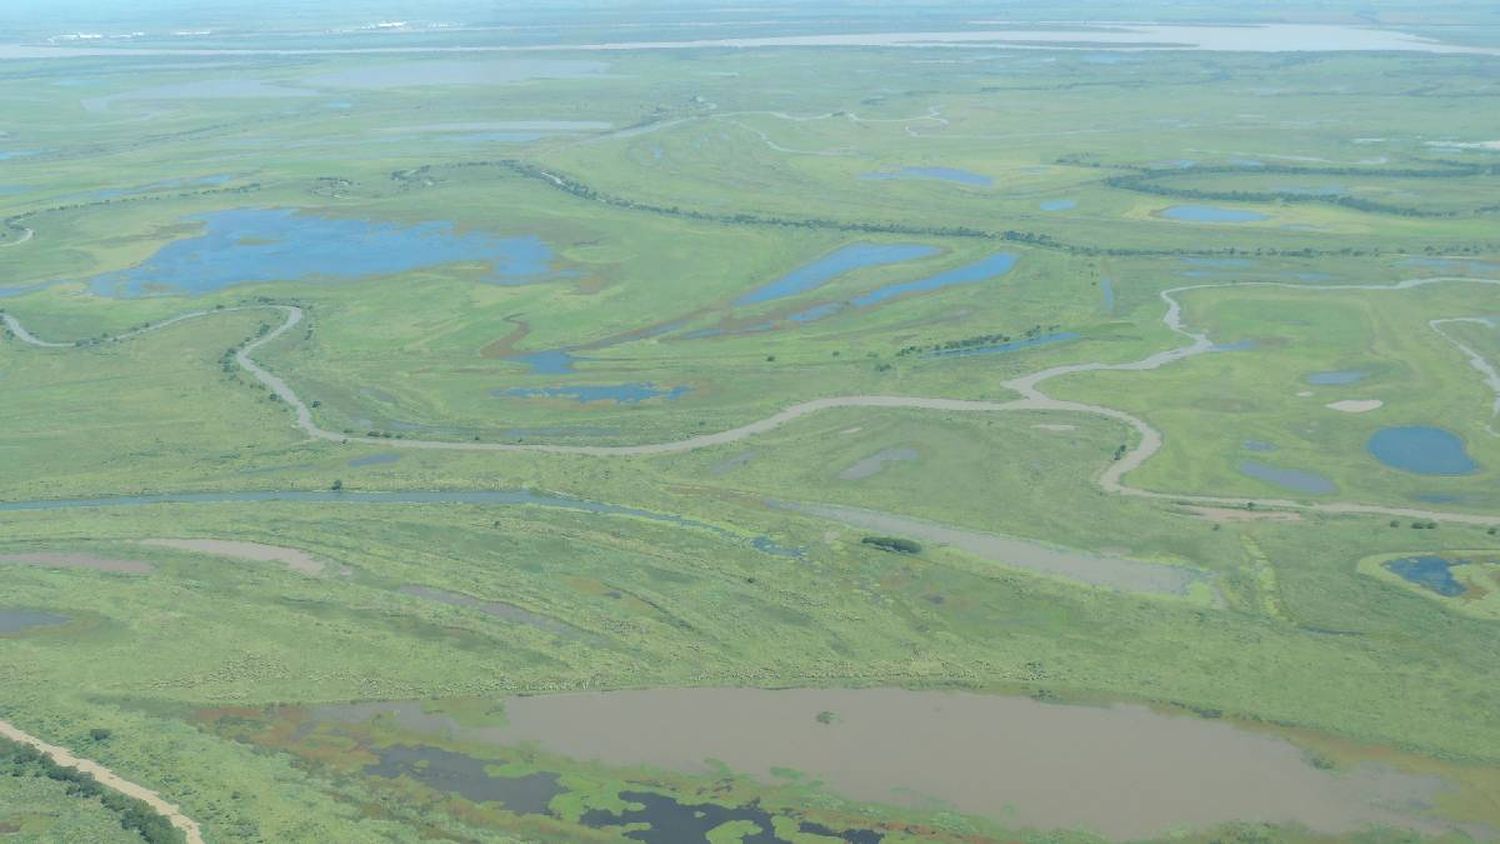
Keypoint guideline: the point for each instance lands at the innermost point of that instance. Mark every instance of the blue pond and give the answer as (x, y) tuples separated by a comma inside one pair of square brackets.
[(1212, 214), (280, 244), (1421, 450), (1293, 479), (1429, 572), (1336, 377), (1058, 205), (940, 174), (1258, 445), (1001, 348), (584, 394), (1107, 291), (995, 265), (834, 264), (549, 362)]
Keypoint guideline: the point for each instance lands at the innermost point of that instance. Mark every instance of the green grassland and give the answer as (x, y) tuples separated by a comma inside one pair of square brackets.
[(726, 170)]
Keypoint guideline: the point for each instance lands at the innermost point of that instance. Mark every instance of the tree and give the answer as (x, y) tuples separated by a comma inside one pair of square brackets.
[(338, 485)]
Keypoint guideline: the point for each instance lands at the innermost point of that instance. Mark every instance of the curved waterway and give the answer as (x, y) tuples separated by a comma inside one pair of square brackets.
[(1125, 771)]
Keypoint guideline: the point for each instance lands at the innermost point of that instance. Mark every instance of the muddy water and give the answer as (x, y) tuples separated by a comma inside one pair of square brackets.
[(1124, 771)]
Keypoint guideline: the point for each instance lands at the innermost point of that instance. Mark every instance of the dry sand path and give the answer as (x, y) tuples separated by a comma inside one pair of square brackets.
[(108, 779)]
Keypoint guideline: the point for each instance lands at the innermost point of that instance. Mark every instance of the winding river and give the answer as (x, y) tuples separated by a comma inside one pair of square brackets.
[(1028, 386)]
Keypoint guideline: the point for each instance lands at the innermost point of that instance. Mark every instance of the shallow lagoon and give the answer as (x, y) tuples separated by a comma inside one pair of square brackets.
[(280, 244), (1421, 450), (845, 259), (1212, 214)]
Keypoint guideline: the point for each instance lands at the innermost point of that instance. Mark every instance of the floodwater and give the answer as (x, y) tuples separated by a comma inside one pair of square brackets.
[(1296, 480), (280, 244), (1107, 294), (1113, 572), (1429, 572), (589, 393), (842, 260), (1058, 205), (21, 620), (1335, 377), (874, 463), (935, 174), (1422, 450), (1212, 214), (1124, 771), (497, 609)]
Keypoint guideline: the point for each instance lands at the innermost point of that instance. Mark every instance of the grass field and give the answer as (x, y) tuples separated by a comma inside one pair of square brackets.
[(574, 248)]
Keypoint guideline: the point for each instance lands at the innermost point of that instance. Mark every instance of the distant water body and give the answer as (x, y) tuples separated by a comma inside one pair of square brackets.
[(1268, 38)]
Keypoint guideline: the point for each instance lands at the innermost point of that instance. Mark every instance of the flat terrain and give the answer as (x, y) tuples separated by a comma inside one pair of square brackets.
[(422, 432)]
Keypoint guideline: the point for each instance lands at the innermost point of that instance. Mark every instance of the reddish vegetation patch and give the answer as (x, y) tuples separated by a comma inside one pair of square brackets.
[(77, 561)]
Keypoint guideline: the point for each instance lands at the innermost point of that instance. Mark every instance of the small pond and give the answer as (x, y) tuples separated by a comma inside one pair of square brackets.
[(20, 620), (1429, 572), (373, 460), (549, 362), (939, 174), (1258, 445), (1336, 377), (1107, 295), (589, 393), (1296, 480), (845, 259), (1421, 450), (281, 244), (1058, 205), (1212, 214)]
